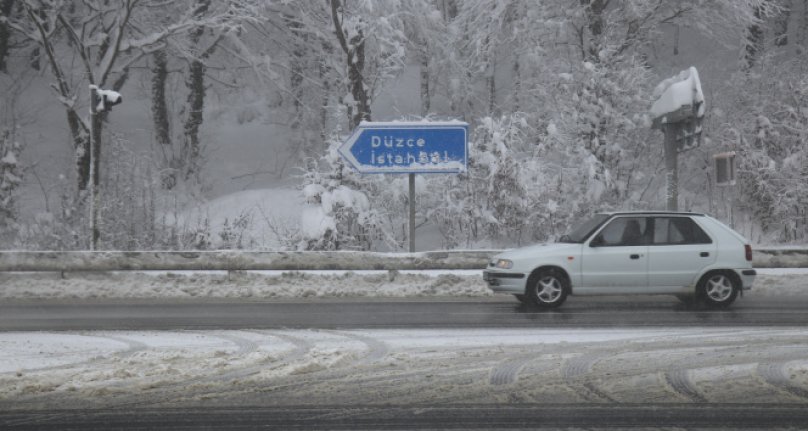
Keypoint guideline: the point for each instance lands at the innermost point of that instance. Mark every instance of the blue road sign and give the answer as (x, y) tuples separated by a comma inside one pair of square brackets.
[(407, 147)]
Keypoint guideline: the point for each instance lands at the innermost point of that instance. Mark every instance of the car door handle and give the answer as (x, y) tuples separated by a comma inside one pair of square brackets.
[(704, 254), (635, 256)]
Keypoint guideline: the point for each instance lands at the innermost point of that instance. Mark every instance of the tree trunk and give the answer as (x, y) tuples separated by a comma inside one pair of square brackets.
[(354, 50), (448, 9), (5, 34), (191, 148), (781, 24), (491, 85), (803, 34), (326, 97), (159, 108), (357, 81), (191, 151), (517, 83), (160, 118), (425, 99), (297, 68), (594, 15), (754, 41)]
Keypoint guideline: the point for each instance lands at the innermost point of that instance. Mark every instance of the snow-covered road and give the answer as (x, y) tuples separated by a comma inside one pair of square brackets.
[(90, 369), (359, 367)]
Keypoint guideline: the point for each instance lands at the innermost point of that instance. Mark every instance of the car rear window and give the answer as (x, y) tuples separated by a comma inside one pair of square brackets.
[(678, 230)]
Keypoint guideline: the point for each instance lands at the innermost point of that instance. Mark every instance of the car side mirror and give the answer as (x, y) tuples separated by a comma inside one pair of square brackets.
[(596, 241)]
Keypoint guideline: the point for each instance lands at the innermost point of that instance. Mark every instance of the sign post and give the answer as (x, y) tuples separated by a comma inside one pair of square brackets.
[(408, 148), (725, 176), (678, 113)]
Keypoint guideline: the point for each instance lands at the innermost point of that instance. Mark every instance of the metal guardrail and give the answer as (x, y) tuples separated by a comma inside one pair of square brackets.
[(294, 261)]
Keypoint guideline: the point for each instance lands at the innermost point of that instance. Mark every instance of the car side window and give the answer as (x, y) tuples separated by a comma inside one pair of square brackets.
[(678, 230), (623, 231)]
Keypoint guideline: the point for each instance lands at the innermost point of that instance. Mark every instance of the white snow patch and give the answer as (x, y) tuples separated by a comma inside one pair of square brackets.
[(677, 92)]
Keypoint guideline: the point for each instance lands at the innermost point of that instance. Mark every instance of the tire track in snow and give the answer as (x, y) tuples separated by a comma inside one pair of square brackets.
[(182, 389), (376, 350), (507, 372), (301, 346), (132, 347), (244, 345), (776, 374), (574, 370), (679, 380)]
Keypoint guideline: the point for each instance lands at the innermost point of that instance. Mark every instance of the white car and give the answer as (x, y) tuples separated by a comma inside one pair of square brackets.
[(692, 256)]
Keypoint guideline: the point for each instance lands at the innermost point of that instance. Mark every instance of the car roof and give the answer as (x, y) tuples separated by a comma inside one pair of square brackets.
[(617, 213)]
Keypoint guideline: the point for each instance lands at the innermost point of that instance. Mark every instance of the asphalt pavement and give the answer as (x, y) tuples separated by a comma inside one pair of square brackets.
[(496, 312)]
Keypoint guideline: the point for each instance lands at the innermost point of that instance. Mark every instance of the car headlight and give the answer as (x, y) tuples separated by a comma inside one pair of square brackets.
[(504, 264)]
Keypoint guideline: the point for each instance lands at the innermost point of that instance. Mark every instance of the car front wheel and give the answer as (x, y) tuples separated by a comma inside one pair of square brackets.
[(718, 289), (547, 289)]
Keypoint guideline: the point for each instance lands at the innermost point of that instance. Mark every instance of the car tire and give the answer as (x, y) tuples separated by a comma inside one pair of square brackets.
[(718, 289), (521, 298), (547, 289)]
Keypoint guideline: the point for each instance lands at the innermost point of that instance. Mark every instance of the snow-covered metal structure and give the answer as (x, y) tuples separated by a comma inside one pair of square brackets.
[(678, 112)]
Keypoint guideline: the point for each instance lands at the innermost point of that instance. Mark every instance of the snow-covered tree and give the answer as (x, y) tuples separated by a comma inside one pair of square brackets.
[(762, 115), (106, 38), (339, 215), (11, 176)]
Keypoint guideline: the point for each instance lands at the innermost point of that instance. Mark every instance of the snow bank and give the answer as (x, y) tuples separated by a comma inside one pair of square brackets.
[(306, 284), (244, 284), (792, 257)]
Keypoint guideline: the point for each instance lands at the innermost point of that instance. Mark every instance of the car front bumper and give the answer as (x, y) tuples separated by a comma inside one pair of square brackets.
[(505, 282)]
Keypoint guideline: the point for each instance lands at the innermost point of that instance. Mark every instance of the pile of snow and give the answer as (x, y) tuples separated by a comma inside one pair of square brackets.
[(678, 92), (299, 284), (245, 284)]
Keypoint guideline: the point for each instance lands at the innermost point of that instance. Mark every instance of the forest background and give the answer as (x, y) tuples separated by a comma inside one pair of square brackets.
[(233, 110)]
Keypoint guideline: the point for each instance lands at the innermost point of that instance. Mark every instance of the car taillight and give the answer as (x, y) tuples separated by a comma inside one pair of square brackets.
[(748, 249)]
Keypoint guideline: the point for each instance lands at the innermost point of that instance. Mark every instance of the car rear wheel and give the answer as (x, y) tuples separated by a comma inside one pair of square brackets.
[(547, 289), (718, 289), (522, 298)]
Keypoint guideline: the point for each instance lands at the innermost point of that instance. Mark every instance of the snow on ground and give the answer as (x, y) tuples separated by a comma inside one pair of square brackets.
[(400, 366), (303, 284), (253, 215)]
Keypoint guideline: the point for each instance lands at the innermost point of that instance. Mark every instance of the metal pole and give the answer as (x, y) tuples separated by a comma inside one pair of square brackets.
[(671, 168), (412, 213)]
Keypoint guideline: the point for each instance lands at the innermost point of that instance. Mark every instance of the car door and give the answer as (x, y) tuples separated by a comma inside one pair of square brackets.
[(615, 259), (678, 252)]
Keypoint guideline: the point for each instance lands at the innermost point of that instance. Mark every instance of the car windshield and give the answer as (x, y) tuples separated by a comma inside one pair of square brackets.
[(583, 230)]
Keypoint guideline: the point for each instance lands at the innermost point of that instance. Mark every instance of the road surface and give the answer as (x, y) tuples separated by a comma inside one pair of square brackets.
[(496, 312), (491, 363)]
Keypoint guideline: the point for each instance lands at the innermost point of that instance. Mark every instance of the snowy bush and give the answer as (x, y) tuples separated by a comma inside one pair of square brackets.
[(339, 216)]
